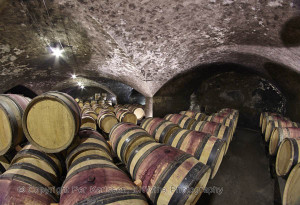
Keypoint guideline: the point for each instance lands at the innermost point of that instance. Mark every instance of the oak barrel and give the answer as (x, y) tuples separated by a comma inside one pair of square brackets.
[(216, 129), (278, 134), (291, 194), (126, 116), (287, 156), (278, 123), (203, 146), (159, 128), (12, 108), (183, 121), (139, 112), (270, 118), (95, 180), (51, 121), (25, 191), (161, 167), (88, 121), (106, 120), (91, 143), (125, 137)]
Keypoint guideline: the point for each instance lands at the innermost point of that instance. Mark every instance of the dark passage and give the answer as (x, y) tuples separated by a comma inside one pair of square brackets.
[(244, 177)]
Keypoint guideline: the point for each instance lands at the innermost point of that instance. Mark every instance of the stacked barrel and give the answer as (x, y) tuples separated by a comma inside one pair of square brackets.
[(221, 124), (12, 108), (282, 137), (96, 178), (165, 174), (204, 147)]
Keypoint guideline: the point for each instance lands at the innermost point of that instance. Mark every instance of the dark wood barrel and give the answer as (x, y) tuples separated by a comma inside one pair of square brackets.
[(278, 134), (270, 118), (223, 119), (138, 111), (88, 121), (106, 120), (272, 124), (216, 129), (51, 163), (125, 137), (159, 128), (51, 121), (91, 143), (126, 116), (264, 115), (287, 156), (291, 194), (203, 146), (98, 181), (12, 108), (20, 190), (183, 121), (162, 167)]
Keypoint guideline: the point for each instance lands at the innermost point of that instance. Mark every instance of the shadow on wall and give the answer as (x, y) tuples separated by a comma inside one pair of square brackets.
[(290, 33), (289, 84), (21, 90)]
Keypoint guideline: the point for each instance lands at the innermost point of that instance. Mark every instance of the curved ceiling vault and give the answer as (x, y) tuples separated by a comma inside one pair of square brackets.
[(142, 43)]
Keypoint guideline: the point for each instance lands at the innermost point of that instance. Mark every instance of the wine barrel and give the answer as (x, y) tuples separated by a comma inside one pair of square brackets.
[(125, 137), (162, 167), (12, 108), (161, 130), (203, 146), (106, 120), (88, 121), (26, 170), (278, 123), (182, 120), (97, 108), (20, 190), (80, 104), (188, 113), (139, 112), (291, 194), (216, 129), (231, 119), (264, 115), (51, 121), (51, 163), (91, 113), (126, 116), (93, 102), (94, 180), (199, 116), (91, 143), (270, 118), (86, 109), (287, 156), (278, 134)]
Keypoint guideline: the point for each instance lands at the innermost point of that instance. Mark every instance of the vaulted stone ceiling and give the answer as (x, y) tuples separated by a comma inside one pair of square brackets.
[(142, 43)]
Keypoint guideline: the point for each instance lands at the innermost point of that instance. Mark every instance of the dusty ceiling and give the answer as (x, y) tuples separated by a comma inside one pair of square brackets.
[(141, 43)]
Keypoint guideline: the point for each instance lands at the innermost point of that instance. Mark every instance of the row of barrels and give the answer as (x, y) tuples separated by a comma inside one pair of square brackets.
[(165, 174), (221, 125), (282, 137), (35, 177), (206, 148), (107, 116)]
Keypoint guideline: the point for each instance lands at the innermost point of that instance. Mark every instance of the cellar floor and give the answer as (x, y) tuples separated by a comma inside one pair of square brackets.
[(244, 177)]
